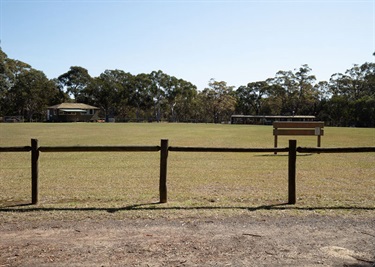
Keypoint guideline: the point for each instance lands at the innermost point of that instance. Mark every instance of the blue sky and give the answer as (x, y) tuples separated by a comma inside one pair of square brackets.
[(233, 41)]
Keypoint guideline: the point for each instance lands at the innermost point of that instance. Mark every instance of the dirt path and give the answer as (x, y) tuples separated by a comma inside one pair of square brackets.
[(236, 241)]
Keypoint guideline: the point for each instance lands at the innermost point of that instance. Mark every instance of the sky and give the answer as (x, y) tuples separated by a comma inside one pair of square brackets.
[(196, 40)]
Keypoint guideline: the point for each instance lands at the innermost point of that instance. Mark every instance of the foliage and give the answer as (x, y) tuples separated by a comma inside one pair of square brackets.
[(25, 91), (293, 92), (345, 100), (75, 81), (219, 101), (251, 99), (353, 96)]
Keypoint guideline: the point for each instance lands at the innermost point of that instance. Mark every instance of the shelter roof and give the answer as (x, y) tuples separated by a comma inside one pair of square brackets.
[(72, 106)]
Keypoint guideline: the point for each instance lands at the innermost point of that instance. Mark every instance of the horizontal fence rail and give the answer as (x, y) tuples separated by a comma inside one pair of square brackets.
[(226, 149), (164, 148), (98, 148), (16, 149), (335, 149)]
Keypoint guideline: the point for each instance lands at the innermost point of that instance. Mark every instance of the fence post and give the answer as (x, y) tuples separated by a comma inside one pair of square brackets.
[(275, 140), (163, 171), (292, 158), (34, 171)]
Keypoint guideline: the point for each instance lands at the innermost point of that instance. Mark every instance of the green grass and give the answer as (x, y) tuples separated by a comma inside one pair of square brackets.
[(211, 181)]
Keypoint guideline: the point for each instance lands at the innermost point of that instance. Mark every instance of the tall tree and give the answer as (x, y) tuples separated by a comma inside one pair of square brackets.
[(182, 101), (308, 95), (158, 88), (218, 101), (356, 90), (10, 70), (252, 98), (178, 95), (31, 94), (141, 98), (295, 92), (75, 81), (107, 92)]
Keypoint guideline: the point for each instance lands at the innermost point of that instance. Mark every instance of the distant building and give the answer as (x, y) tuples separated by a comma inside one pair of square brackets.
[(72, 112), (267, 120)]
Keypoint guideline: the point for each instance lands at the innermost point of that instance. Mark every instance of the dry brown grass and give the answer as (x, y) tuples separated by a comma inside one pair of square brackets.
[(213, 182)]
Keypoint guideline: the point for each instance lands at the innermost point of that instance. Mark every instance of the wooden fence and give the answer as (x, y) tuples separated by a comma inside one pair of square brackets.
[(164, 148)]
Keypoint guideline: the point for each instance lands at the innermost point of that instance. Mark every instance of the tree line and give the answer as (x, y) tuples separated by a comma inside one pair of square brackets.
[(347, 99)]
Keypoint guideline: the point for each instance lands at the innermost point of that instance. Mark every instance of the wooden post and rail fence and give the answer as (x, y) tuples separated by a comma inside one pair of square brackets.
[(164, 149)]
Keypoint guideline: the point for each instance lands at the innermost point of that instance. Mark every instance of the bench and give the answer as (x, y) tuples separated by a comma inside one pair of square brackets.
[(311, 128)]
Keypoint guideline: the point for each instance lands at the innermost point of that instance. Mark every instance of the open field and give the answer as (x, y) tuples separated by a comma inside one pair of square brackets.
[(118, 179), (223, 209)]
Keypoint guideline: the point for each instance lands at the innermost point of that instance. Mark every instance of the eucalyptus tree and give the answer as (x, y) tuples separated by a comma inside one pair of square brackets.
[(126, 81), (169, 89), (218, 101), (182, 101), (324, 97), (204, 106), (5, 74), (308, 94), (10, 70), (353, 96), (141, 98), (60, 96), (31, 94), (294, 92), (158, 88), (178, 96), (75, 81), (119, 90), (5, 81), (252, 98), (282, 93), (356, 83), (110, 92), (24, 91)]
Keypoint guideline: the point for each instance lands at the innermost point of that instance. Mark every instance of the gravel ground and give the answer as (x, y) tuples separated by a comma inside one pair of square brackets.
[(264, 240)]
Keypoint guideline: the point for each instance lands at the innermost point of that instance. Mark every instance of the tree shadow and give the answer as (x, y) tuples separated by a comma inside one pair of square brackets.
[(283, 155)]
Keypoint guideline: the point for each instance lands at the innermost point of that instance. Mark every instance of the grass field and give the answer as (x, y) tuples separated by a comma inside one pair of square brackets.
[(223, 181)]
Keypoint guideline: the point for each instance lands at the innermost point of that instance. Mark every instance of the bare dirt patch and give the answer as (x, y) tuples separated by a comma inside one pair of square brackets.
[(240, 240)]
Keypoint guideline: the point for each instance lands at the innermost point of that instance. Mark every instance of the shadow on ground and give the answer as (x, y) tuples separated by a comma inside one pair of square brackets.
[(27, 207)]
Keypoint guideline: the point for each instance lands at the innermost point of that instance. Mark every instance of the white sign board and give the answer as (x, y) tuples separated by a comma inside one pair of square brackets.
[(317, 130)]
